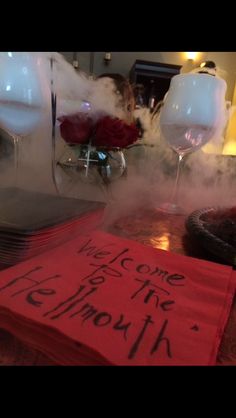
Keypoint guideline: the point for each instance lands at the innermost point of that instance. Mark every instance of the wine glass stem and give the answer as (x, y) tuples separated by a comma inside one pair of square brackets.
[(16, 158), (175, 193)]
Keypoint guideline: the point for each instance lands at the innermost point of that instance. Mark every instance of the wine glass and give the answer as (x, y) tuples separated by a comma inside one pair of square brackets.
[(22, 95), (193, 111)]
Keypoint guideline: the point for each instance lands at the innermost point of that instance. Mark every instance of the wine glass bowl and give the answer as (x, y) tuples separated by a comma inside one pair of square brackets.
[(193, 112), (23, 95)]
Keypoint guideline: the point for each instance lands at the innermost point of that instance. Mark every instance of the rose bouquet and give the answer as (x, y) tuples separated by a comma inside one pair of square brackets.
[(98, 143), (108, 132)]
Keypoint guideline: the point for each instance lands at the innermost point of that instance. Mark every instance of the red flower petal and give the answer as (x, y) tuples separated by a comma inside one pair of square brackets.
[(76, 128), (113, 132)]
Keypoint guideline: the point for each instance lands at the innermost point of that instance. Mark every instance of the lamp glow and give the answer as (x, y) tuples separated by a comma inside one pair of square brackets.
[(191, 55)]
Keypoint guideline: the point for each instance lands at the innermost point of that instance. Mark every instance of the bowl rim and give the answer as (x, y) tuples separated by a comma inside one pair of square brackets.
[(212, 243)]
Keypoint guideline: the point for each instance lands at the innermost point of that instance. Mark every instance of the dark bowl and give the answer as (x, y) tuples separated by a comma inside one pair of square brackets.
[(196, 227)]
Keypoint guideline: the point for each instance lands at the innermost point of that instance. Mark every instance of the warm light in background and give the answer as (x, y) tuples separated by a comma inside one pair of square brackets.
[(229, 148), (191, 55), (230, 136)]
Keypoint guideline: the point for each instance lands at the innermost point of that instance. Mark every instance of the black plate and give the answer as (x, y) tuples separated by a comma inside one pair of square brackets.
[(27, 212), (196, 226)]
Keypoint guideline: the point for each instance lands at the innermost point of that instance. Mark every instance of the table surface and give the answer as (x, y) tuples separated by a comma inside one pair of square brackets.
[(148, 227)]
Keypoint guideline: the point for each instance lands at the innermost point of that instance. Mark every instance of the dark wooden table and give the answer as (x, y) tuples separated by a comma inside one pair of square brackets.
[(150, 228)]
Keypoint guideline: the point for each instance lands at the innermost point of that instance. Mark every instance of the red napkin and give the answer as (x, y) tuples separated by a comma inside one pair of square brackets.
[(102, 299)]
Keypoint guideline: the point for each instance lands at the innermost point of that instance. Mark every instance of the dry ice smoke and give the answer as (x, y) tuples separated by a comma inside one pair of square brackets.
[(207, 179), (73, 88), (105, 98), (150, 125)]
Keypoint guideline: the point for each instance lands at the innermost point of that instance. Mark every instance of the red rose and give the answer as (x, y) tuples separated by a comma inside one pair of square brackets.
[(76, 129), (113, 132)]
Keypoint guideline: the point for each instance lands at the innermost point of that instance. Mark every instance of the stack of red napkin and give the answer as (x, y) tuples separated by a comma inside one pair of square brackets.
[(103, 300)]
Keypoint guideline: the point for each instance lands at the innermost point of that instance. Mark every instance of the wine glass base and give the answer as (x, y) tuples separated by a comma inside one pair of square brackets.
[(171, 208)]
